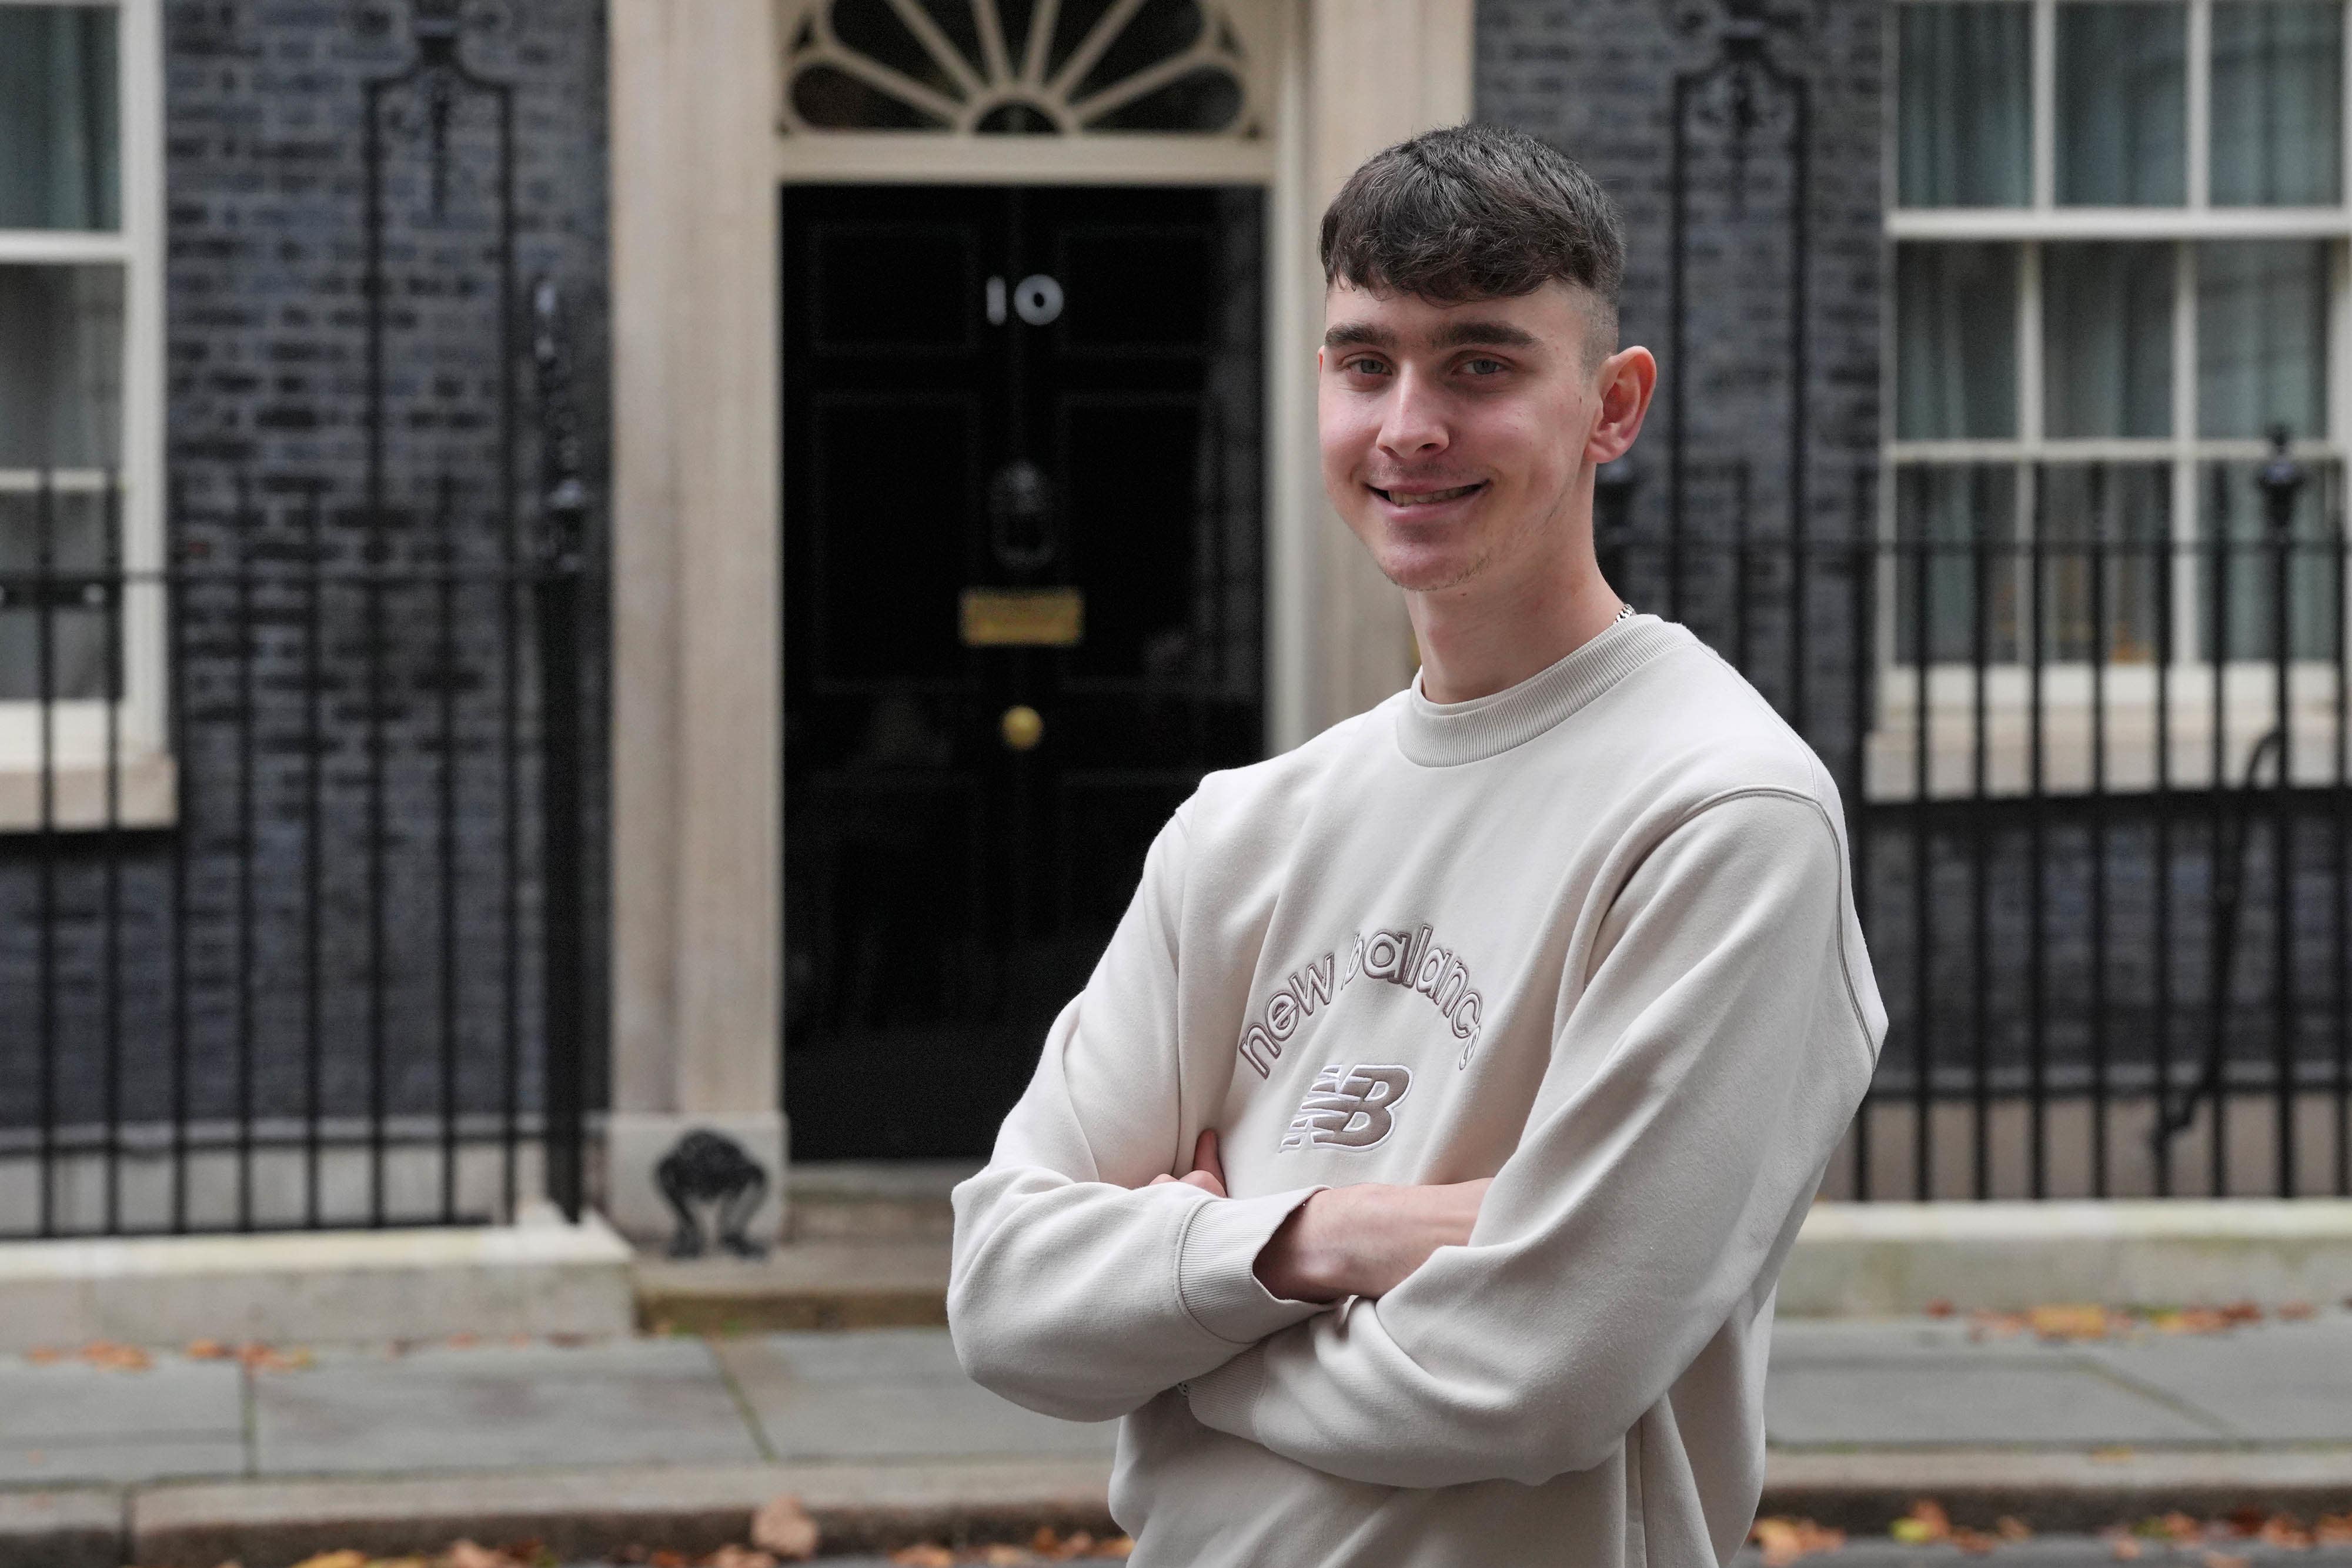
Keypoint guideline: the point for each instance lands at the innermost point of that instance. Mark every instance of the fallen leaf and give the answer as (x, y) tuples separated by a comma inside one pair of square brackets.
[(1925, 1521), (346, 1558), (668, 1559), (733, 1556), (2177, 1526), (2012, 1528), (923, 1554), (2297, 1311), (1117, 1546), (2115, 1453), (1004, 1556), (2333, 1529), (462, 1339), (1784, 1540), (2069, 1320), (2283, 1529), (467, 1554), (1975, 1542), (2127, 1550), (43, 1355), (1078, 1544), (2243, 1312), (116, 1357), (1939, 1308), (206, 1350), (784, 1528), (2224, 1560)]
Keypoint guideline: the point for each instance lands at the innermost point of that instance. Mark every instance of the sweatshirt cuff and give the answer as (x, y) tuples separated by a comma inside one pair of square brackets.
[(1216, 1263)]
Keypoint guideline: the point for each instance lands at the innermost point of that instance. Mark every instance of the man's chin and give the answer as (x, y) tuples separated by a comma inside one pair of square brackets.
[(1426, 570)]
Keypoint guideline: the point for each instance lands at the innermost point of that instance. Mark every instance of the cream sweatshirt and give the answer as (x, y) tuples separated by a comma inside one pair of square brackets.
[(1590, 937)]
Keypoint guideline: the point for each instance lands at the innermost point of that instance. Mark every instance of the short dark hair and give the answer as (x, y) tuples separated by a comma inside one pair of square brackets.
[(1476, 211)]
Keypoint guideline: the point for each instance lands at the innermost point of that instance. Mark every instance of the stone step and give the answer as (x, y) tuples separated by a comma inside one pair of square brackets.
[(821, 1283)]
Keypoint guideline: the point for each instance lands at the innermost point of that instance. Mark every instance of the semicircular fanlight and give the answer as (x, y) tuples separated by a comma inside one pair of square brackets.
[(1018, 67)]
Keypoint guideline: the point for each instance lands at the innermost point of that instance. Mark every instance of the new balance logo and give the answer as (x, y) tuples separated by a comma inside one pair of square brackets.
[(1349, 1108)]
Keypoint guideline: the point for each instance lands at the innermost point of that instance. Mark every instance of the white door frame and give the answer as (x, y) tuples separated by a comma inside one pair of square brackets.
[(698, 152)]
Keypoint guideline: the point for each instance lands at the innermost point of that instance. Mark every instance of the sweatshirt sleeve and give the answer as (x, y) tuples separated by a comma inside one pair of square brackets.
[(1077, 1289), (1697, 1088)]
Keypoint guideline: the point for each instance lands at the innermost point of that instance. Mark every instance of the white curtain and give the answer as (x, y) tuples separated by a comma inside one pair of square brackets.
[(2123, 105), (59, 163), (1956, 341), (2278, 70), (1965, 130), (60, 366), (2262, 338), (2106, 315)]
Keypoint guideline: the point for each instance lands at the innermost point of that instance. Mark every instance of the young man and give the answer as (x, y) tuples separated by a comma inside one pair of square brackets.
[(1414, 1173)]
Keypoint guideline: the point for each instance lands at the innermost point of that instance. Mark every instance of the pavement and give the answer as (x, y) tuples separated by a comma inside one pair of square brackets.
[(673, 1441)]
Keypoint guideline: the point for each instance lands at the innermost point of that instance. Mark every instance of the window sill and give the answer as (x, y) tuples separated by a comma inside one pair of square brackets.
[(146, 796), (2067, 753)]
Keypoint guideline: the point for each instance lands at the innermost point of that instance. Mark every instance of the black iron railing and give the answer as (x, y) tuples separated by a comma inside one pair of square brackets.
[(290, 902), (2095, 768)]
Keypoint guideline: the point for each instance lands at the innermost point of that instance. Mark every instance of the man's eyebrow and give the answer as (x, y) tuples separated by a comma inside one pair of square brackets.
[(1485, 335), (1359, 335)]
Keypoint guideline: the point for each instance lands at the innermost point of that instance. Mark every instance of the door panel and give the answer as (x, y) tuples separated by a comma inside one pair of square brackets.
[(1014, 392)]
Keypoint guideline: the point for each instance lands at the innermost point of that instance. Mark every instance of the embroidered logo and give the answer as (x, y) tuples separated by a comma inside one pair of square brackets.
[(1410, 959), (1349, 1108)]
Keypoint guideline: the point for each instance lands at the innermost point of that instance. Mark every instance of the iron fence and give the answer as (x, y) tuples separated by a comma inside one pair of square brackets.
[(2095, 762), (291, 923)]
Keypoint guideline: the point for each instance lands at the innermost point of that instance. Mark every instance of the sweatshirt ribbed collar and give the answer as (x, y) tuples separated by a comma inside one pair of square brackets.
[(1443, 734)]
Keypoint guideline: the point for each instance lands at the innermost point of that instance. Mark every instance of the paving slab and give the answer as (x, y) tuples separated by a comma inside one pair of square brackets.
[(2287, 1382), (1957, 1397), (888, 1392), (498, 1407), (71, 1421), (76, 1527)]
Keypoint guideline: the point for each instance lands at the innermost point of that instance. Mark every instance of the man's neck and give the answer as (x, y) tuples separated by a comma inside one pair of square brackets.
[(1474, 644)]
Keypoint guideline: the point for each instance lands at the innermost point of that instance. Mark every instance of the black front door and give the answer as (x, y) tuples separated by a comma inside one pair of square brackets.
[(1022, 615)]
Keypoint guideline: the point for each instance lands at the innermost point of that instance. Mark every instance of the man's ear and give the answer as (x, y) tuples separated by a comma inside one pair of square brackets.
[(1627, 379)]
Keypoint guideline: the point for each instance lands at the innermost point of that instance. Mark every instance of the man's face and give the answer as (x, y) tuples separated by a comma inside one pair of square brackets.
[(1455, 436)]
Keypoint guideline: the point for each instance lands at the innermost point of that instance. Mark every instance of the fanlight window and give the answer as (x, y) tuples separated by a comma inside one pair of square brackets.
[(1016, 67)]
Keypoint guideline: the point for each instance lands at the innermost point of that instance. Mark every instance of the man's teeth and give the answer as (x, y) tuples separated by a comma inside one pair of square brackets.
[(1426, 498)]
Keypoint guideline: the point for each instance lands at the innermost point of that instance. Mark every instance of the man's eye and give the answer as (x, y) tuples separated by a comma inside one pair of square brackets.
[(1362, 367), (1485, 367)]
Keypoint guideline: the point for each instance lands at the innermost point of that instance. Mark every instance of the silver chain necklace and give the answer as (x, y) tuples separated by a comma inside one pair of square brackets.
[(1624, 613)]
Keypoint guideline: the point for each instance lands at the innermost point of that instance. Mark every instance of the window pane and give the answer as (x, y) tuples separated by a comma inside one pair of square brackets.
[(2106, 334), (77, 621), (2278, 80), (60, 157), (2236, 541), (60, 365), (2121, 105), (1955, 538), (2105, 532), (2262, 338), (1956, 341), (1966, 106)]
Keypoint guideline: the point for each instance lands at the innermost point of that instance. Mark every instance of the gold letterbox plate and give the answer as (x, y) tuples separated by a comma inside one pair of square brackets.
[(1023, 617)]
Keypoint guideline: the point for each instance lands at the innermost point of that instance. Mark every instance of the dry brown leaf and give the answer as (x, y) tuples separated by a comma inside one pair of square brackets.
[(668, 1559), (2012, 1528), (1939, 1308), (346, 1558), (784, 1528), (2297, 1311), (206, 1350), (734, 1556), (2114, 1454), (2124, 1549), (1002, 1556), (1784, 1540), (2178, 1526), (1117, 1546), (2224, 1560), (2333, 1529), (43, 1355), (923, 1554), (465, 1554), (116, 1357), (2069, 1320), (1925, 1521), (1078, 1544), (2243, 1312), (2283, 1529)]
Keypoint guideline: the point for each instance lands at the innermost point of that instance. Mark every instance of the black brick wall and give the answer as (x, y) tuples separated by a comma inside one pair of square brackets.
[(268, 420)]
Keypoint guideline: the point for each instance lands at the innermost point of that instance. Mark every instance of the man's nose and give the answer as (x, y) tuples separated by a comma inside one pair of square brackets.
[(1413, 424)]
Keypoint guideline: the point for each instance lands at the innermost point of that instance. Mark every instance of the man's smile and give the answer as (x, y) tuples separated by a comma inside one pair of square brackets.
[(1399, 496)]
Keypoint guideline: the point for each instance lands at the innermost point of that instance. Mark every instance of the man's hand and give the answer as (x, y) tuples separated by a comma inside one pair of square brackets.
[(1364, 1240), (1208, 1172)]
